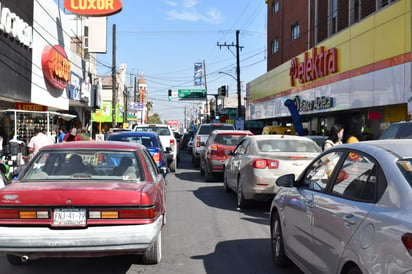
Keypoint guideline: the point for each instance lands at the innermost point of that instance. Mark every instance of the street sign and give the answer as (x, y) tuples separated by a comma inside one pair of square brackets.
[(191, 94)]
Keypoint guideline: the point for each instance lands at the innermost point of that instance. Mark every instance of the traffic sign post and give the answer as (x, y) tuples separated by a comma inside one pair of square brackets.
[(191, 94)]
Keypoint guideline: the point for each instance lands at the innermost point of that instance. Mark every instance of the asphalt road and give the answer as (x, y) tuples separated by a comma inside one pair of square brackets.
[(205, 233)]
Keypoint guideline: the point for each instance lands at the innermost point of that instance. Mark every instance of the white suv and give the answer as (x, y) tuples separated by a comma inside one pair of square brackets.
[(201, 136), (167, 139)]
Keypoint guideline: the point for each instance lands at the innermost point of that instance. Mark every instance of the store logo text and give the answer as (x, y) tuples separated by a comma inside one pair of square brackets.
[(320, 103), (320, 64), (14, 26)]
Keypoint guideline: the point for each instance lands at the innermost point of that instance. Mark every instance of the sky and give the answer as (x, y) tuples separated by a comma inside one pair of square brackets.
[(164, 38)]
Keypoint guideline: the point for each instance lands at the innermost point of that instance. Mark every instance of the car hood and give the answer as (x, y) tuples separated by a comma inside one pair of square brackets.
[(79, 193)]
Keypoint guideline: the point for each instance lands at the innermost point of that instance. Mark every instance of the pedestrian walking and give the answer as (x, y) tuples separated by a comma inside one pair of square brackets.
[(72, 136), (335, 136), (38, 141)]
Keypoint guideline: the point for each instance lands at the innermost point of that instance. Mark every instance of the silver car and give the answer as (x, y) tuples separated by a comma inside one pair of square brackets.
[(259, 160), (350, 211)]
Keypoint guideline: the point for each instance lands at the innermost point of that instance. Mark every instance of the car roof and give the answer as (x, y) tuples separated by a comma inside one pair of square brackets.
[(153, 125), (402, 148), (133, 133), (94, 145), (236, 132), (279, 137)]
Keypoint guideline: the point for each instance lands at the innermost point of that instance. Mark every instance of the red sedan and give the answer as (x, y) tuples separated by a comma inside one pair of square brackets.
[(84, 199)]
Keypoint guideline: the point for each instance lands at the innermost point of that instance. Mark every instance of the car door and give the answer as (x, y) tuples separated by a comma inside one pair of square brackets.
[(299, 209), (232, 166), (338, 213)]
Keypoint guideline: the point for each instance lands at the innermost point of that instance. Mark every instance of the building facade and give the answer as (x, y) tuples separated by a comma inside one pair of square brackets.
[(344, 62)]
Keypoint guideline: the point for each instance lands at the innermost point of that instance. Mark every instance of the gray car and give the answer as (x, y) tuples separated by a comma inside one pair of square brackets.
[(349, 211)]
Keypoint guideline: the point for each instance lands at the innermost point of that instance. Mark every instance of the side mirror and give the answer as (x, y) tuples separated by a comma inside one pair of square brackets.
[(168, 150), (286, 180), (202, 144)]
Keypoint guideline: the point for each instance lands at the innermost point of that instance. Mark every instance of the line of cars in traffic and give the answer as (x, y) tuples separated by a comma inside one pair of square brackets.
[(71, 196), (345, 210)]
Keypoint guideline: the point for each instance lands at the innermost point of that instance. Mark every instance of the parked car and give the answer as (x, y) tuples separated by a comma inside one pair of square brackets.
[(149, 139), (348, 212), (258, 160), (84, 199), (201, 136), (398, 130), (168, 141), (219, 146), (319, 139)]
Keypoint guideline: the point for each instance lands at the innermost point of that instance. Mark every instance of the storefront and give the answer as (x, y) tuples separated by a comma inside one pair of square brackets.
[(359, 77)]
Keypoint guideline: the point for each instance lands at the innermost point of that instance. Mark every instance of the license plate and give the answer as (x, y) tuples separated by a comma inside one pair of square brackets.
[(69, 217)]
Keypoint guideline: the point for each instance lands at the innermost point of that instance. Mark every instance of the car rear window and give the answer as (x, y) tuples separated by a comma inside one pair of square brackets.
[(147, 141), (406, 168), (398, 131), (287, 146), (207, 129), (229, 140), (161, 131)]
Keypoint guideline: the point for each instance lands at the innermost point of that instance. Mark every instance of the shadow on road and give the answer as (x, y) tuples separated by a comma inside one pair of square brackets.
[(229, 257)]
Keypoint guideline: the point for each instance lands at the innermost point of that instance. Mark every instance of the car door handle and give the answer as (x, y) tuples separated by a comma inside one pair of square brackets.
[(350, 219)]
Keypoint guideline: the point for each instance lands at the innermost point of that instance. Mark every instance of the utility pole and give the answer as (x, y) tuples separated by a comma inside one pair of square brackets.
[(239, 91), (114, 78), (204, 75)]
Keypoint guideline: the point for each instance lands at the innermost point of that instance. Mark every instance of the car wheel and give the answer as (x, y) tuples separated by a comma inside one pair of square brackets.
[(14, 260), (225, 186), (154, 254), (172, 166), (208, 175), (278, 250), (353, 270), (241, 201)]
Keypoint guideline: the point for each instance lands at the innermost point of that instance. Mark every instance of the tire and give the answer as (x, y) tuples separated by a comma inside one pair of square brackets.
[(172, 166), (225, 186), (353, 270), (14, 260), (154, 254), (241, 201), (278, 249), (209, 175)]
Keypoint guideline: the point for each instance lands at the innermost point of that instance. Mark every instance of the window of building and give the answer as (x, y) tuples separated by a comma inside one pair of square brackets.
[(356, 11), (275, 45), (295, 31), (275, 7), (334, 16)]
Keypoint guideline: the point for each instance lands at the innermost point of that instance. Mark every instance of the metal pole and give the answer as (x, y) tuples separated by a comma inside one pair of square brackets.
[(114, 80), (239, 92)]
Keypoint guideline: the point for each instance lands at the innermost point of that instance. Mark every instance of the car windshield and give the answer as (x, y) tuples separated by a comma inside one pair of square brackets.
[(83, 165), (406, 168), (207, 129), (276, 145), (161, 131)]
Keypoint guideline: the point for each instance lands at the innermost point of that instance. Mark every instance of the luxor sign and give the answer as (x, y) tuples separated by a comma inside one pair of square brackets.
[(319, 64), (55, 66), (93, 7)]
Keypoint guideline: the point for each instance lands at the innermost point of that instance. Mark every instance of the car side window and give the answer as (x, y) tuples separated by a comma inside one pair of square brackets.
[(242, 147), (319, 174), (151, 165), (357, 178)]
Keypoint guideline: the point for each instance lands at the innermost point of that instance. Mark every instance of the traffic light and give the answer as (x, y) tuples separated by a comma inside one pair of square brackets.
[(222, 91), (169, 94)]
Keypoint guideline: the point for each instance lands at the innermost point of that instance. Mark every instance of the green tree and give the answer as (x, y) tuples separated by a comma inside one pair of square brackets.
[(154, 119)]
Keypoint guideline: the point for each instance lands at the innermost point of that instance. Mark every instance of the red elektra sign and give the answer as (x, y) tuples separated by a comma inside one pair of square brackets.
[(93, 7), (55, 66), (319, 64)]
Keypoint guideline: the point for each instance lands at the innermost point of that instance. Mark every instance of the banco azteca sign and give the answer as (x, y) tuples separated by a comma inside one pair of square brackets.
[(320, 63)]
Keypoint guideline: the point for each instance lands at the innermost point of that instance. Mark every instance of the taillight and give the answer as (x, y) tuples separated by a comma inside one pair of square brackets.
[(145, 213), (198, 141), (24, 214), (156, 157), (214, 149), (265, 163), (172, 143), (407, 241)]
